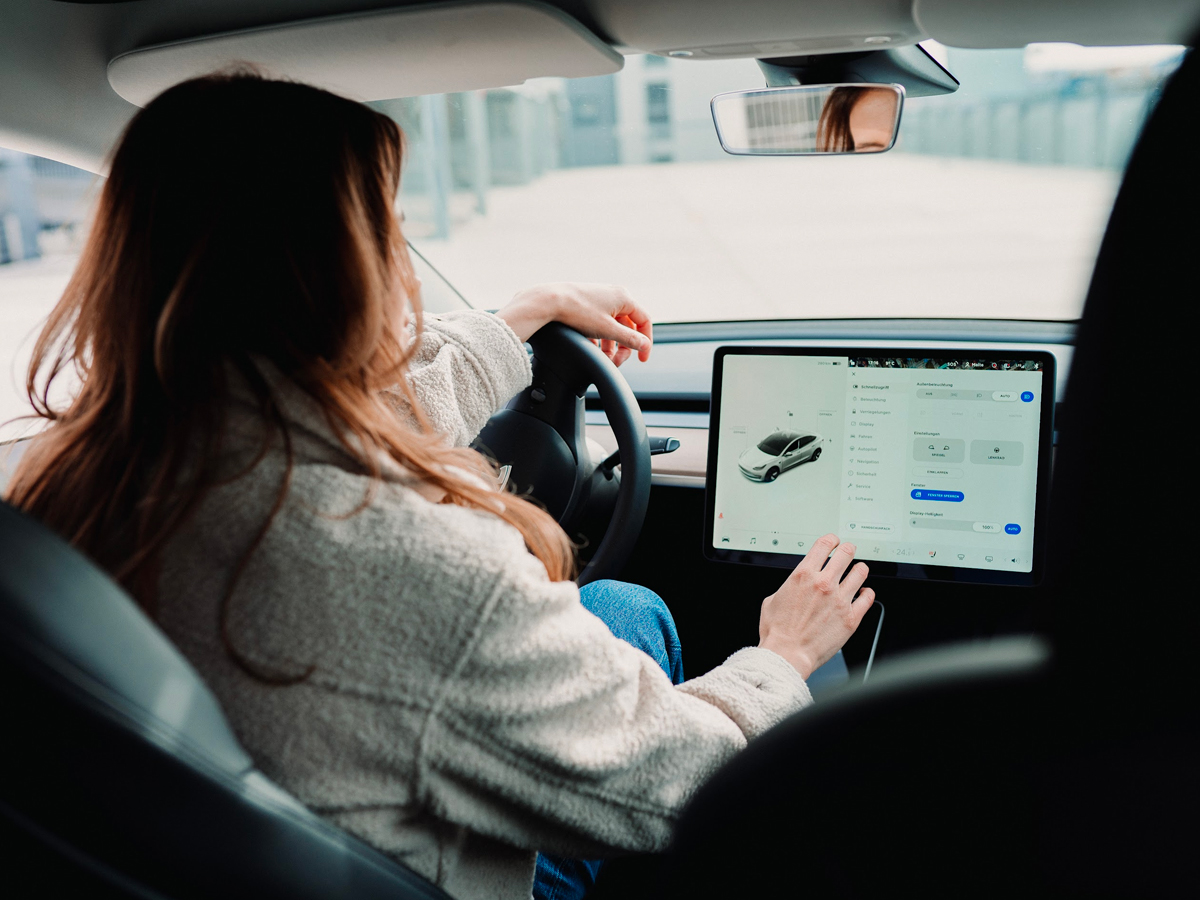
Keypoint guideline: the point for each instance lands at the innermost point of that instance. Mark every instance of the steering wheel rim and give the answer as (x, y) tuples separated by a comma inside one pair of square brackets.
[(541, 433)]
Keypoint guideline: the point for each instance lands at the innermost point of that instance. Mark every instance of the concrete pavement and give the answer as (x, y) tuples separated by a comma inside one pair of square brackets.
[(895, 235)]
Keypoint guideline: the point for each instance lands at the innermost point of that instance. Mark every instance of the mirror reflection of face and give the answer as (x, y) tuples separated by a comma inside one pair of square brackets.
[(804, 119), (872, 120), (857, 120)]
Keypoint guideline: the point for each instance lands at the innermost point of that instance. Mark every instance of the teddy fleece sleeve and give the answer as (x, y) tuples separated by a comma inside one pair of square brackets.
[(555, 735), (468, 364)]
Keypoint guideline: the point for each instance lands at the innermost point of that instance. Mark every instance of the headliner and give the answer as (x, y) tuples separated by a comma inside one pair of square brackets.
[(57, 101)]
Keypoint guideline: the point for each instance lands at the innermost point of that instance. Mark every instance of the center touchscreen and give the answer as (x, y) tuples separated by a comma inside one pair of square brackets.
[(919, 461)]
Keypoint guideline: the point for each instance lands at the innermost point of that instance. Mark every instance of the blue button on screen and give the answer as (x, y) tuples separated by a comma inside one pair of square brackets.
[(1012, 528), (951, 496), (1027, 396)]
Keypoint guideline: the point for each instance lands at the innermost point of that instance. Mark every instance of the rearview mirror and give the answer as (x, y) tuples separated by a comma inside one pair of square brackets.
[(805, 120)]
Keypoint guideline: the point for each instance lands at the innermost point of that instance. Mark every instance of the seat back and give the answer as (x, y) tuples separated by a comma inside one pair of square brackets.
[(1054, 765), (119, 775)]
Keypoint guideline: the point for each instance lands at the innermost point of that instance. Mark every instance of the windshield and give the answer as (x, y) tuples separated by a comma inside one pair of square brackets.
[(776, 443), (992, 204)]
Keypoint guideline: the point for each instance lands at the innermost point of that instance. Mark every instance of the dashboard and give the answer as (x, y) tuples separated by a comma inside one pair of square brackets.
[(673, 387)]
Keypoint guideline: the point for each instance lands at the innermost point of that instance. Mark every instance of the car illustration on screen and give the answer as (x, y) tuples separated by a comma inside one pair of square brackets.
[(778, 452)]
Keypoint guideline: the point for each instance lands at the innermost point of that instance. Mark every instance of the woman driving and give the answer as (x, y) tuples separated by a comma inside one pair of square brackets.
[(268, 449)]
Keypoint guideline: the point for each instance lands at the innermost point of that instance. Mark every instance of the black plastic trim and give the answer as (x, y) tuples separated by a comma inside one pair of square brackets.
[(920, 330), (662, 402)]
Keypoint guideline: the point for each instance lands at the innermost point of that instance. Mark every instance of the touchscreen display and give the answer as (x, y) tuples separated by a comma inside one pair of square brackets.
[(914, 459)]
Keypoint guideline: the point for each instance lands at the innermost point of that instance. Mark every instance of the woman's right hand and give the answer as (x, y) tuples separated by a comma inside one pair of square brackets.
[(604, 312), (814, 612)]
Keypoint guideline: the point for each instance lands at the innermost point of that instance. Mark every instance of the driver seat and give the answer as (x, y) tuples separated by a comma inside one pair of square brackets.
[(1062, 764), (119, 776)]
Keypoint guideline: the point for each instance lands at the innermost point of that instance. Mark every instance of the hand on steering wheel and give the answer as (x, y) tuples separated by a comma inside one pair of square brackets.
[(603, 312)]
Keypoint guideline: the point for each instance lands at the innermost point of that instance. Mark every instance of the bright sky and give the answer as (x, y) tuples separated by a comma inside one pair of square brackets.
[(1076, 58)]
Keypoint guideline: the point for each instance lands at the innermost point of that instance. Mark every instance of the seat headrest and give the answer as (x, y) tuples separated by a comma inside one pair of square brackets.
[(64, 615), (1124, 502)]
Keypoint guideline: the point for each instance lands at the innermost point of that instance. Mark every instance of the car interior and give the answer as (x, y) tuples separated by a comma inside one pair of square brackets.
[(1025, 729)]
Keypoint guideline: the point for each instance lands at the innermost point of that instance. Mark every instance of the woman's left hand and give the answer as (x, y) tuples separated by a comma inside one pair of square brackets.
[(603, 312)]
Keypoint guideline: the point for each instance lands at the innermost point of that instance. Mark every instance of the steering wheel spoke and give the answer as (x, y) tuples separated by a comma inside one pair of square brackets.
[(541, 433)]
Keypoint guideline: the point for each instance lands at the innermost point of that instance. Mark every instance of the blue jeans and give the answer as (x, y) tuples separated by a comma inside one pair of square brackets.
[(639, 617)]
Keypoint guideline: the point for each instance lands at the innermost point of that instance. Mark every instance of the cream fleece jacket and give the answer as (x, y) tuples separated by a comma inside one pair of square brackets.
[(462, 710)]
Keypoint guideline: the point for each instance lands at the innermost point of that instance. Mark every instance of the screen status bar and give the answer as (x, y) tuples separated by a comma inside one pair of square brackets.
[(913, 362)]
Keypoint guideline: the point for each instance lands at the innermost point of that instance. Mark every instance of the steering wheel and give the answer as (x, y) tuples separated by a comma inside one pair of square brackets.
[(541, 434)]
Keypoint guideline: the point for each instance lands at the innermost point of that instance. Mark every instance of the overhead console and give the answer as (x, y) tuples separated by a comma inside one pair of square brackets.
[(934, 466), (718, 29)]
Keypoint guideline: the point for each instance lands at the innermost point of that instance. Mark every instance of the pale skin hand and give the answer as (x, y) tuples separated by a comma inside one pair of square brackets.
[(814, 612), (603, 312)]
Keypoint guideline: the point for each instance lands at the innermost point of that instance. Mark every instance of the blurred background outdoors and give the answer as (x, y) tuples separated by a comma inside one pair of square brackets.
[(992, 204)]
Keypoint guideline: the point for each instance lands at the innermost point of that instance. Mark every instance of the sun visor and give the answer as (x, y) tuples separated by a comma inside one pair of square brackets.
[(385, 54)]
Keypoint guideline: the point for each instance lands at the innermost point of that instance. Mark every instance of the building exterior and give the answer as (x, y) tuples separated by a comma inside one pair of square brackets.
[(36, 196), (663, 106), (1010, 108), (1013, 105)]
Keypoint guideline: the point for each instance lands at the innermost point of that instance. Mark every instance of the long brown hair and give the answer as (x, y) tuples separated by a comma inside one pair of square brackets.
[(243, 219), (833, 128)]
